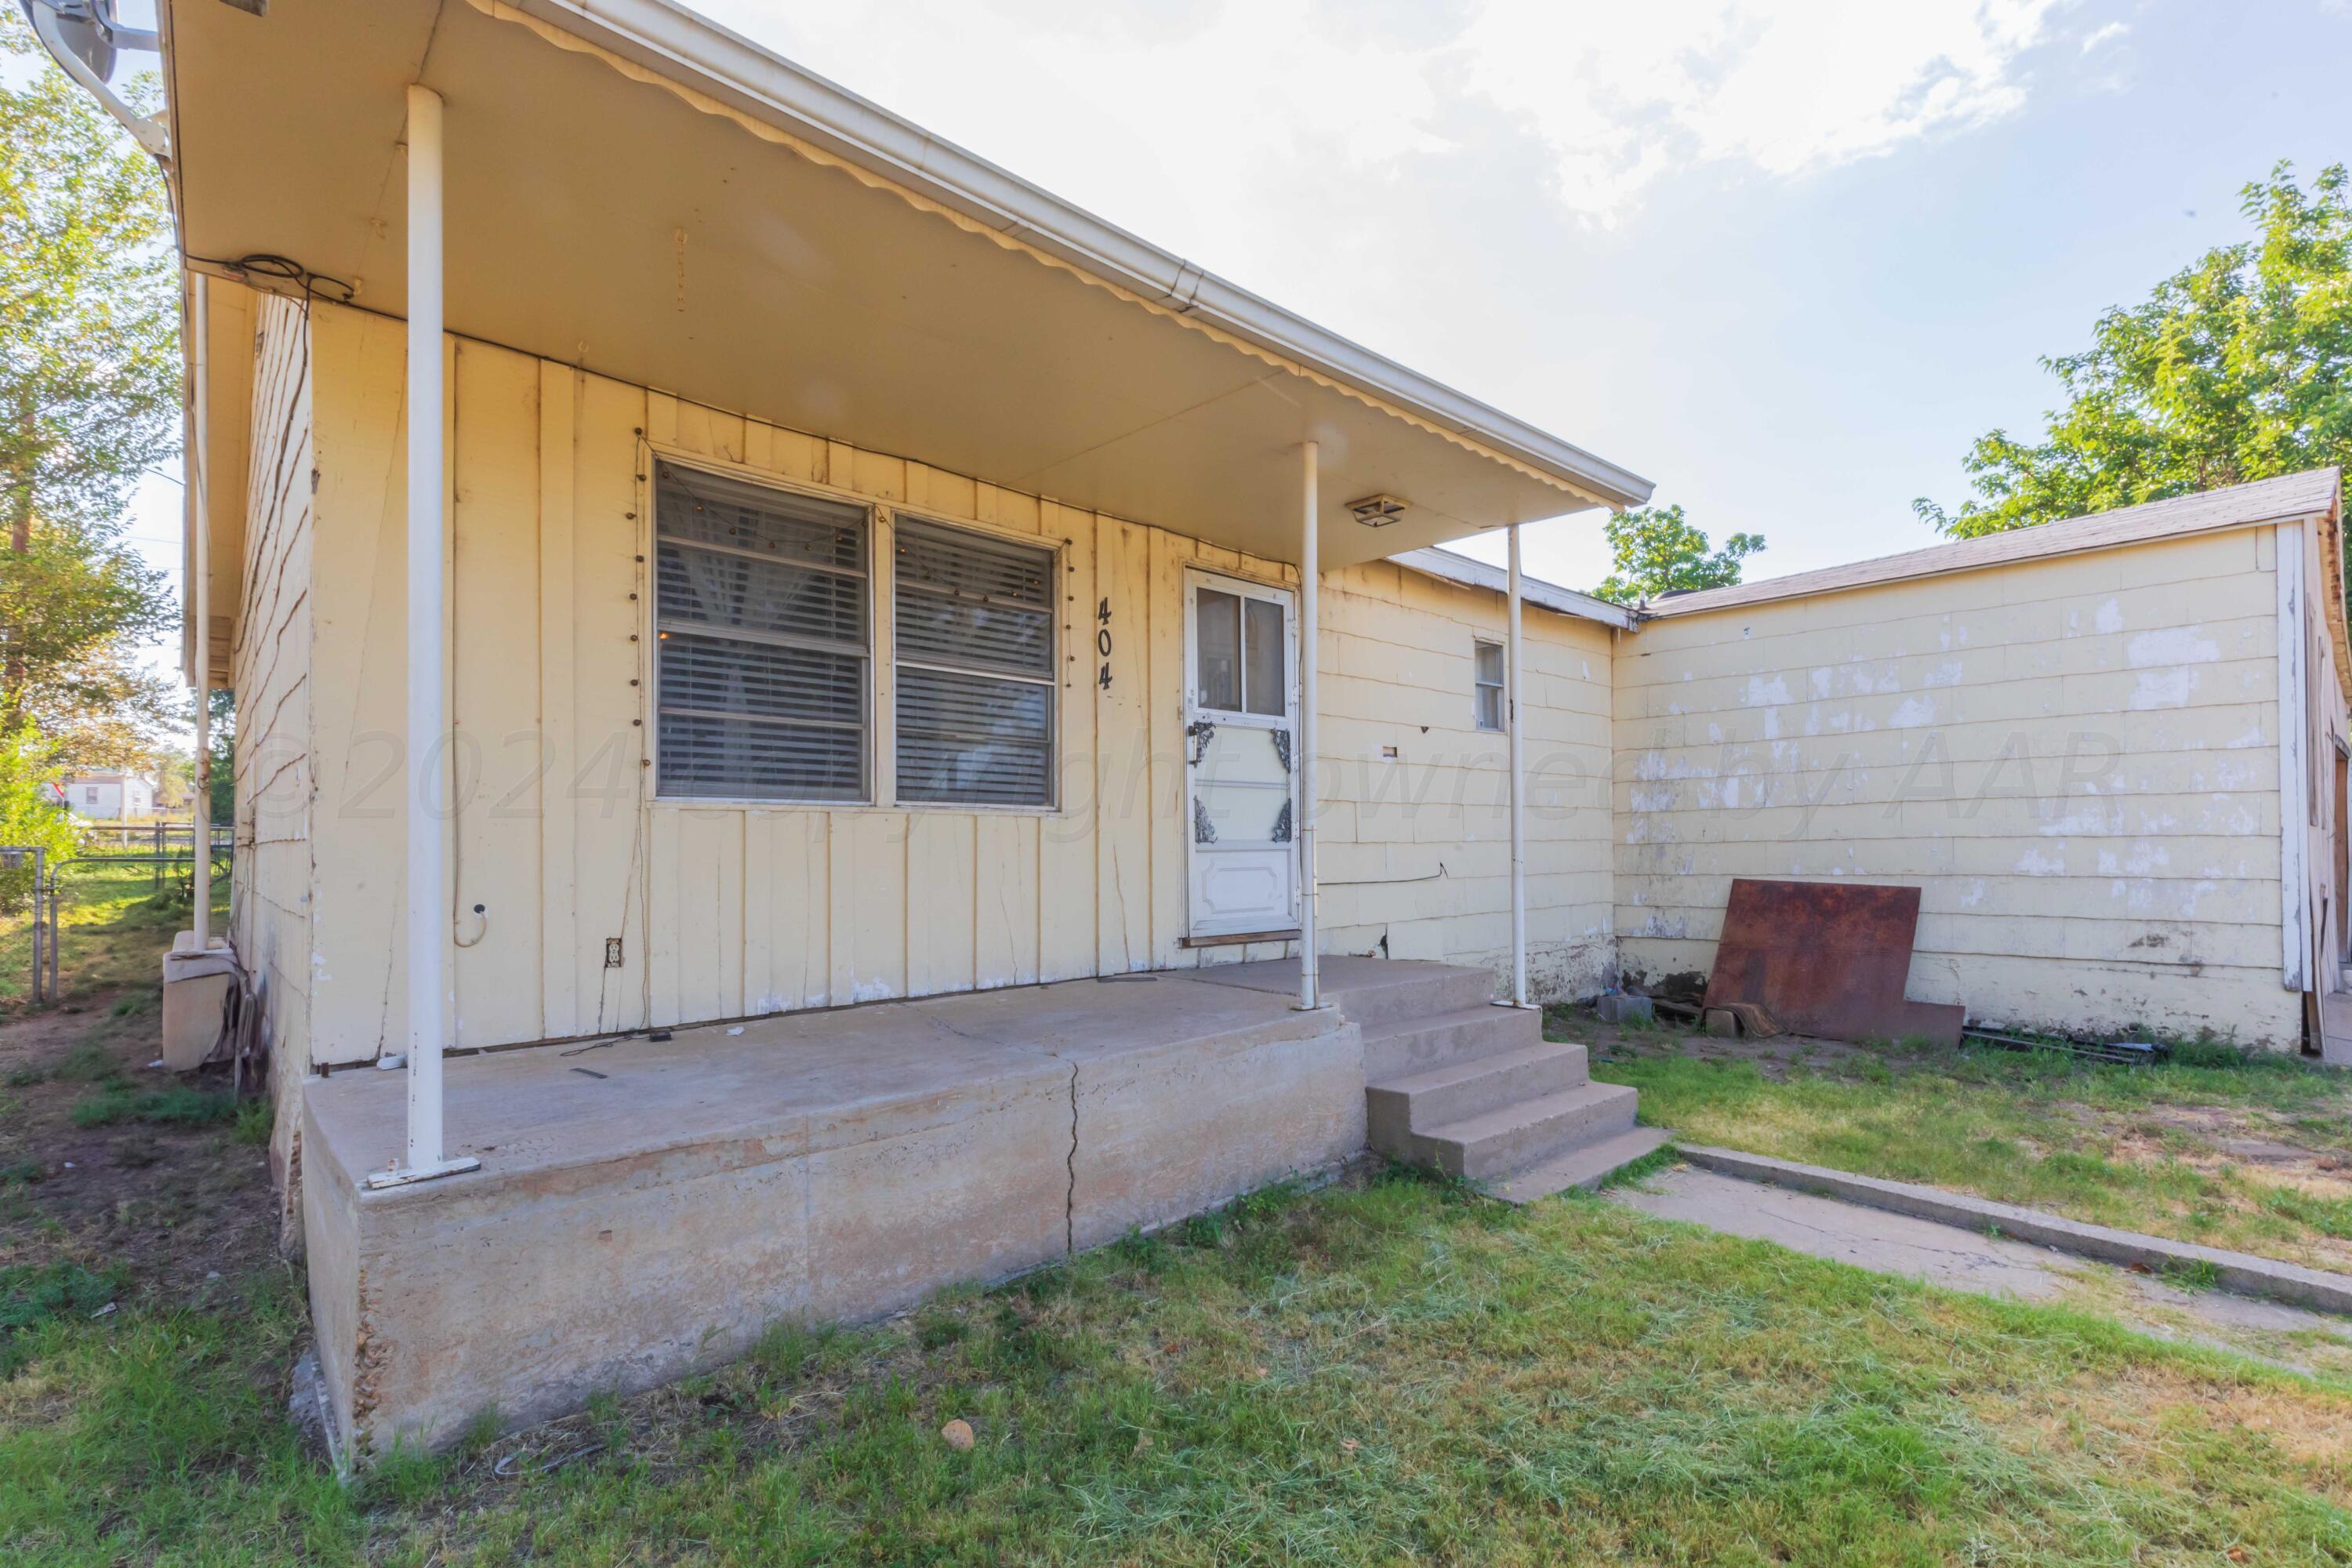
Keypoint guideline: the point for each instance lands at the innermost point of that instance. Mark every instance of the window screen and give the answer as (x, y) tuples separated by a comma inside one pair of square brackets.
[(1241, 654), (974, 618), (759, 614), (1487, 685)]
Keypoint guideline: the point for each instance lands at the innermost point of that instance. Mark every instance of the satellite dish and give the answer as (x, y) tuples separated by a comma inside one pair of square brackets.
[(81, 36), (85, 39)]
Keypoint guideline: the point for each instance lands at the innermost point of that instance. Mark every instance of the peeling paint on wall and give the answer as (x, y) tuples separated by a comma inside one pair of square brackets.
[(2079, 865)]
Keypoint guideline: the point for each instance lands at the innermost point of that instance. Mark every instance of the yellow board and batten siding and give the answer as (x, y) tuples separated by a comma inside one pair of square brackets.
[(2076, 759), (1414, 848), (272, 672), (727, 909)]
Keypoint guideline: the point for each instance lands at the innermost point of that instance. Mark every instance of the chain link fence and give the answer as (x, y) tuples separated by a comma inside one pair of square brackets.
[(36, 880), (43, 892)]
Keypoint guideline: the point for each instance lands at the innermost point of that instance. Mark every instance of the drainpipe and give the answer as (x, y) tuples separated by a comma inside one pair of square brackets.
[(428, 912), (197, 607), (1518, 784), (1310, 979)]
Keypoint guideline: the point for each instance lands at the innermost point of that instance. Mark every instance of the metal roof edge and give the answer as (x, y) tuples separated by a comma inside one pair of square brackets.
[(2290, 497), (1447, 565), (667, 36)]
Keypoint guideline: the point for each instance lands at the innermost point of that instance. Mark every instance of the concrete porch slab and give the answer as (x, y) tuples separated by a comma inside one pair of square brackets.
[(647, 1208), (1360, 986)]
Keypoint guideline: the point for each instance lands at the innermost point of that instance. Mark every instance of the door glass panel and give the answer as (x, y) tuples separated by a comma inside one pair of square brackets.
[(1220, 675), (1262, 651)]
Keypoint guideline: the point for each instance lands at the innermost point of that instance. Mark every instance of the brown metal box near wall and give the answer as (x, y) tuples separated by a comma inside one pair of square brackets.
[(1827, 958)]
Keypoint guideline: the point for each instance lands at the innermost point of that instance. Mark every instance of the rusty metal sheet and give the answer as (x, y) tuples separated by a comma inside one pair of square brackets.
[(1826, 958)]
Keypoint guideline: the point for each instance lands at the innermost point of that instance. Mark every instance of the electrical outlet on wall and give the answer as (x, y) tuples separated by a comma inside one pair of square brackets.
[(612, 953)]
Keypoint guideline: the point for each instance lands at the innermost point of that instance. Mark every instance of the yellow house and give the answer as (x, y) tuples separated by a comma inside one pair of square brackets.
[(846, 598), (888, 731)]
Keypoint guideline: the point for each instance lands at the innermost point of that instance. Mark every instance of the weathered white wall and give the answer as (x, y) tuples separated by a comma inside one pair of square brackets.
[(729, 910), (2076, 759), (2311, 779), (1415, 848), (270, 902)]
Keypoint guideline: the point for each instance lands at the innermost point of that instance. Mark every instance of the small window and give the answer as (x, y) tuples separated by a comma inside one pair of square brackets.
[(1242, 654), (759, 617), (1487, 687), (89, 795), (974, 627)]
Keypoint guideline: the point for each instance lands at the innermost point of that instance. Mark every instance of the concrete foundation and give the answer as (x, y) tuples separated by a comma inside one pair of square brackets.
[(195, 985), (644, 1210)]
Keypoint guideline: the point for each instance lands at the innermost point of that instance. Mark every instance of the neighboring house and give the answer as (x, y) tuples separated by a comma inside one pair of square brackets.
[(109, 796), (843, 577)]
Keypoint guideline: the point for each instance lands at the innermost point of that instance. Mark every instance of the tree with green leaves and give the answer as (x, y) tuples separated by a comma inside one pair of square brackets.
[(2237, 368), (221, 770), (174, 773), (1654, 550), (89, 398), (33, 814)]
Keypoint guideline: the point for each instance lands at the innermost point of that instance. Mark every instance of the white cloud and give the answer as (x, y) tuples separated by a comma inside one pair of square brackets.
[(1616, 96), (1621, 93), (2106, 34)]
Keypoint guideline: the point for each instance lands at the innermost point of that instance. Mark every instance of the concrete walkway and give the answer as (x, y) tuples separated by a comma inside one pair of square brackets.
[(1970, 1260)]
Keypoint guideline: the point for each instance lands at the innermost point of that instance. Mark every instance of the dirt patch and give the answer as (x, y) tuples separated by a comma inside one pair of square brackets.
[(2261, 1147), (2312, 1428), (183, 1209), (1775, 1057)]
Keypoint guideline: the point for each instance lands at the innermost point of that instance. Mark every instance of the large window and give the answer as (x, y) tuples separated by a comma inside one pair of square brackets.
[(761, 621), (1487, 685), (974, 618)]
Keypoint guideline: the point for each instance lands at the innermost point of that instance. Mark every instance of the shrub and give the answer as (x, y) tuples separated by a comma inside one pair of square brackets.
[(32, 814)]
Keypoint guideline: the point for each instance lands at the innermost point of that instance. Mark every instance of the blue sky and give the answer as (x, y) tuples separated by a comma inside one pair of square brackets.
[(1787, 259)]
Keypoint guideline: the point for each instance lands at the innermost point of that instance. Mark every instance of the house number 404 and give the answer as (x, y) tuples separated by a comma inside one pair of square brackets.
[(1102, 643)]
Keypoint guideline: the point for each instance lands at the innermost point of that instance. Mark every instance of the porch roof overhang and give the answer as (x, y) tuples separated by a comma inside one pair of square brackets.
[(634, 190)]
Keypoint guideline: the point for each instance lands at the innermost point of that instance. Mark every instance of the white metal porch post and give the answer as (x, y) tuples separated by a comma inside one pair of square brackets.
[(197, 607), (1517, 762), (1310, 979), (428, 914)]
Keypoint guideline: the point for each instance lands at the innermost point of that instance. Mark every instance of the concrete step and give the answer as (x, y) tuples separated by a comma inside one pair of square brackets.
[(1412, 991), (1500, 1143), (1459, 1089), (1587, 1165), (1414, 1044)]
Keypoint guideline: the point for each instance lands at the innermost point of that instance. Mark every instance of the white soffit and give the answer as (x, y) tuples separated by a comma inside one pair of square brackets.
[(742, 234)]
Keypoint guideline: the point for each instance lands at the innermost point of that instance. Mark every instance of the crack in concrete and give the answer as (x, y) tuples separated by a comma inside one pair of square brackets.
[(936, 1022), (1070, 1199), (1070, 1196)]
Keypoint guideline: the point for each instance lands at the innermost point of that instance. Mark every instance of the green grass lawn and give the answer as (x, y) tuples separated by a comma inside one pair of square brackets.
[(113, 929), (1394, 1373), (2248, 1151)]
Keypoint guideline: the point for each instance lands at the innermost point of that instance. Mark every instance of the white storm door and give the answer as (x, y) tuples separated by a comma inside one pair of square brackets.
[(1241, 736)]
